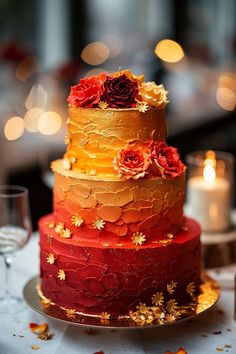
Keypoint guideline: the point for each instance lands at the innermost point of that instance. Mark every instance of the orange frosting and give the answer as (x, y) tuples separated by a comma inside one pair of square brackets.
[(95, 136)]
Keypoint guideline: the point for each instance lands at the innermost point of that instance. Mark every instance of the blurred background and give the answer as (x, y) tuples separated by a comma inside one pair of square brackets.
[(47, 45)]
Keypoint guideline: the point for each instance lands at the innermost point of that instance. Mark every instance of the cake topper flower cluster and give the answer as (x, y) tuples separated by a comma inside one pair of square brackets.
[(121, 89)]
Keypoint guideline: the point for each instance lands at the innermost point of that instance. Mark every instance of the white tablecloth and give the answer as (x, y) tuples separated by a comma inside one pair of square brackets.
[(212, 332)]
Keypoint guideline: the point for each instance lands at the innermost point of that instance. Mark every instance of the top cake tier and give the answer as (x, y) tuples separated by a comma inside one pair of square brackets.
[(113, 117), (96, 136)]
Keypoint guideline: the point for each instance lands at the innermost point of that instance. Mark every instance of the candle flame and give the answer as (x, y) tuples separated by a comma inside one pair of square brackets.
[(209, 172)]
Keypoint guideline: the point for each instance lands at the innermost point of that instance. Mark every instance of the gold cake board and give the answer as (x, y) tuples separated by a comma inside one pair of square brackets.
[(209, 295)]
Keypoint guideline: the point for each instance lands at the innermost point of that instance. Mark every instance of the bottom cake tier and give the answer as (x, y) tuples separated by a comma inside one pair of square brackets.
[(94, 278)]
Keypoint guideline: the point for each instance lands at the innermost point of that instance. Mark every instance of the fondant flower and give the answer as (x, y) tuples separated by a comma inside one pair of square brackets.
[(155, 95), (88, 92), (130, 76), (132, 162), (167, 160), (120, 92)]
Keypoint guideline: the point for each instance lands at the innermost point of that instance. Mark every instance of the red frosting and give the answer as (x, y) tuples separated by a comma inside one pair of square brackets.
[(116, 278)]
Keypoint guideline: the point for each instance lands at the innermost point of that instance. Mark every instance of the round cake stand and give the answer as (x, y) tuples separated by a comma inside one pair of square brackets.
[(209, 295)]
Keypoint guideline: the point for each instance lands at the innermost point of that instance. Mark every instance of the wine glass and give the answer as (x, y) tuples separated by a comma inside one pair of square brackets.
[(15, 231)]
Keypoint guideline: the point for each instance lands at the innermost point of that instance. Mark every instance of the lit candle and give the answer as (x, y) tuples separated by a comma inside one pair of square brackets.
[(209, 199)]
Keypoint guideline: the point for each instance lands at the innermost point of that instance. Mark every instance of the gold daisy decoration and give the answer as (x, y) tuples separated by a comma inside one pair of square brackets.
[(99, 224), (77, 220), (50, 258), (142, 308), (61, 274), (67, 140), (171, 306), (190, 289), (170, 287), (142, 107), (66, 233), (170, 318), (92, 172), (158, 299), (138, 238), (103, 105), (59, 227), (105, 316), (70, 313)]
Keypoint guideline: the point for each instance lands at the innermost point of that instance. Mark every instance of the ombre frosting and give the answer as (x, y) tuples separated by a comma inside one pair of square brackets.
[(117, 233)]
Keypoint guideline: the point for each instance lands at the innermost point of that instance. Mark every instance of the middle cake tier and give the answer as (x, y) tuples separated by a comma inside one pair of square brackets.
[(117, 210)]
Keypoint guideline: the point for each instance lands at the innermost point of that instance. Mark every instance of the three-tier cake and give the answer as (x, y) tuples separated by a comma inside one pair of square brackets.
[(117, 237)]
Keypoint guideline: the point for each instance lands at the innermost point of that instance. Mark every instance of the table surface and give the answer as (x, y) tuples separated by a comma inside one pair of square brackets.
[(212, 332)]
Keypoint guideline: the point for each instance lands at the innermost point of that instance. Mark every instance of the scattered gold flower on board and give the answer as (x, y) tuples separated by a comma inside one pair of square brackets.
[(170, 287), (50, 258), (158, 299), (171, 306), (35, 347), (61, 274), (103, 105), (138, 238), (190, 289), (70, 313), (66, 233), (142, 107), (77, 220), (59, 227), (99, 224)]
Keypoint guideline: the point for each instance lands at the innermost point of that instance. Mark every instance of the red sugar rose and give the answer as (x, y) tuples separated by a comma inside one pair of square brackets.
[(88, 92), (132, 163), (120, 92), (167, 160)]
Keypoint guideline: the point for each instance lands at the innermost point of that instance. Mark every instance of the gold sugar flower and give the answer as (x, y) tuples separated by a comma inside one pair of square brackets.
[(92, 172), (50, 258), (190, 289), (171, 306), (66, 233), (61, 274), (170, 287), (77, 220), (70, 313), (103, 105), (153, 94), (142, 107), (170, 318), (142, 308), (138, 238), (105, 316), (99, 224), (59, 227), (158, 299)]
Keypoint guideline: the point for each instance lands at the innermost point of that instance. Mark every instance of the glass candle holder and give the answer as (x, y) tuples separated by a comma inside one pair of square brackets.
[(209, 189)]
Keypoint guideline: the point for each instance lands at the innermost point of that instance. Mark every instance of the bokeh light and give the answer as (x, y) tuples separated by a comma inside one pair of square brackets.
[(14, 128), (226, 98), (114, 44), (37, 97), (95, 72), (26, 68), (49, 123), (169, 51), (95, 53), (31, 119)]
